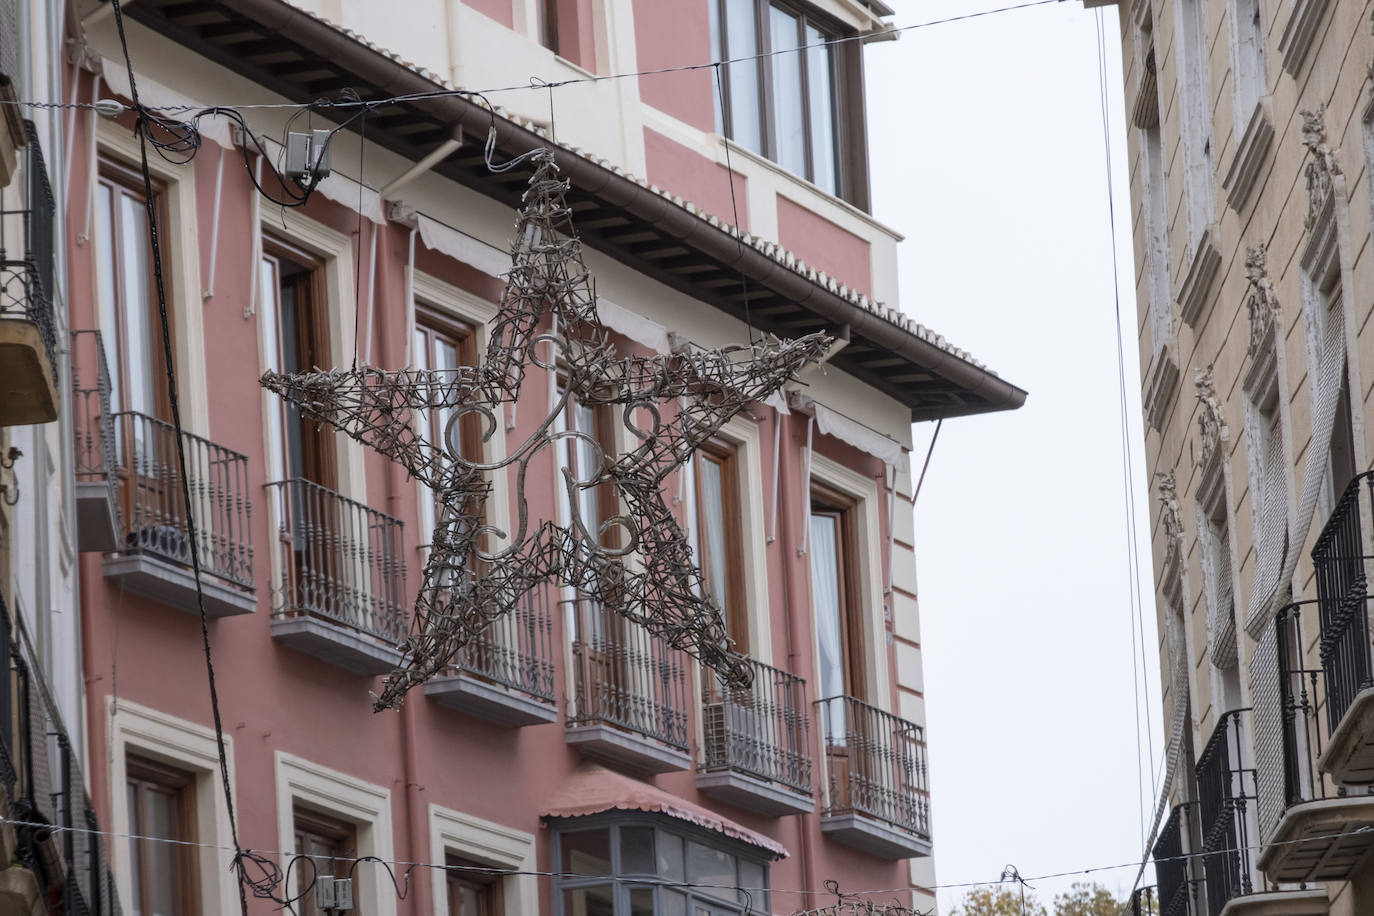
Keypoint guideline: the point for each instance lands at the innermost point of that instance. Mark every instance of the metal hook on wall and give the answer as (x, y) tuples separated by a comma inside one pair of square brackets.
[(7, 463)]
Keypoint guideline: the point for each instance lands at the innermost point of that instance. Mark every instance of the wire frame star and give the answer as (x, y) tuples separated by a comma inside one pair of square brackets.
[(638, 562)]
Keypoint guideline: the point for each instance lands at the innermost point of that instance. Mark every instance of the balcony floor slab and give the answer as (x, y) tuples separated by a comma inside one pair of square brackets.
[(175, 585), (753, 793), (637, 752), (1322, 840), (28, 392), (1349, 755), (337, 645), (873, 836), (497, 703), (1280, 903)]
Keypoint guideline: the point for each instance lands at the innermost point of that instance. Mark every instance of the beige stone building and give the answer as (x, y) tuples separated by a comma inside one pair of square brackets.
[(1251, 136)]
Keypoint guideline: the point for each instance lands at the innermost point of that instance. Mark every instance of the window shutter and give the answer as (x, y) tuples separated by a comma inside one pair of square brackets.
[(1271, 533), (1221, 617), (1268, 725)]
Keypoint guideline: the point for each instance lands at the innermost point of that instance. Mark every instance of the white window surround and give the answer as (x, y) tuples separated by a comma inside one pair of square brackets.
[(471, 309), (181, 269), (487, 843), (190, 747), (1195, 117), (869, 550), (366, 806)]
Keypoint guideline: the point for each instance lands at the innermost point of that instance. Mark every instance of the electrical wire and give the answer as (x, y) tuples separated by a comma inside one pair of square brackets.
[(573, 81)]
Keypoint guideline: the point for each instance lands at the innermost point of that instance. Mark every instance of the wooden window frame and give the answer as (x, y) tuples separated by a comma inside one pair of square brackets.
[(736, 598), (432, 325), (847, 94), (828, 501), (485, 882), (124, 179), (331, 829), (144, 774), (319, 455)]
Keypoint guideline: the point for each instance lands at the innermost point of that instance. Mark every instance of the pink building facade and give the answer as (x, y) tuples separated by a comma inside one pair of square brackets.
[(568, 762)]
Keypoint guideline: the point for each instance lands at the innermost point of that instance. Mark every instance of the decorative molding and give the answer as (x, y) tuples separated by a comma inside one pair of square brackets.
[(1299, 32), (1171, 518), (1197, 282), (1145, 112), (1249, 155), (1262, 302), (1211, 423), (1323, 166), (1161, 386)]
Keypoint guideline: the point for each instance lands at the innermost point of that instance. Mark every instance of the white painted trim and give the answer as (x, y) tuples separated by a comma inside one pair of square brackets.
[(488, 843), (479, 313), (337, 794), (182, 271), (186, 746), (864, 491)]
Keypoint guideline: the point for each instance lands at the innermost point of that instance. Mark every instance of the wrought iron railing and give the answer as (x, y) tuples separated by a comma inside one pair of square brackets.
[(1300, 696), (875, 764), (1342, 586), (1225, 786), (341, 561), (1143, 903), (26, 251), (154, 507), (516, 649), (92, 423), (627, 677), (59, 837), (763, 730), (1171, 867)]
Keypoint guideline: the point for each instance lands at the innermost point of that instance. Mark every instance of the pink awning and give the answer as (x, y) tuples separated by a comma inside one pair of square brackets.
[(593, 789)]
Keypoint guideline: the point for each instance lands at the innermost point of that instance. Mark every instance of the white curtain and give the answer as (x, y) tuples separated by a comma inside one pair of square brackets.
[(825, 598), (713, 506)]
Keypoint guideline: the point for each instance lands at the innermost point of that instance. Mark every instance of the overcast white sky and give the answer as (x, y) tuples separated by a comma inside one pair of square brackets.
[(987, 149)]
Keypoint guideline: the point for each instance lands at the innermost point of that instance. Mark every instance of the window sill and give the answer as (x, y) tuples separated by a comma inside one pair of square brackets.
[(1163, 381), (1299, 33), (175, 585), (1249, 156)]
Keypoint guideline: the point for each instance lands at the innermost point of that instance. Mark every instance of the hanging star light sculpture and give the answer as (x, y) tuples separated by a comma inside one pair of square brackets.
[(638, 562)]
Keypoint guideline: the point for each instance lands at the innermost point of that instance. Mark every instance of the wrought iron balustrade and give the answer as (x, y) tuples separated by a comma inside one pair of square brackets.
[(59, 838), (1171, 867), (155, 510), (516, 649), (341, 561), (1142, 903), (26, 250), (627, 677), (763, 730), (92, 421), (1225, 786), (875, 765), (1342, 594), (1300, 696)]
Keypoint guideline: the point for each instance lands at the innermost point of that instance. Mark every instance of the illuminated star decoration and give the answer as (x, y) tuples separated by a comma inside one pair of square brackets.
[(670, 403)]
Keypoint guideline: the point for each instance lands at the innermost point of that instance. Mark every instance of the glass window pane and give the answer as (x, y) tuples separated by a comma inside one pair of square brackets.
[(138, 331), (713, 7), (641, 901), (637, 851), (670, 866), (820, 63), (825, 598), (788, 122), (711, 870), (160, 810), (587, 852), (105, 289), (589, 901), (751, 879), (674, 903), (713, 529), (742, 41)]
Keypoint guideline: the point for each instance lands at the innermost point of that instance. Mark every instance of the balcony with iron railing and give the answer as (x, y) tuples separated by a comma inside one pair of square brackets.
[(1342, 573), (1310, 829), (28, 329), (153, 553), (756, 742), (1226, 795), (629, 704), (1173, 877), (53, 856), (1143, 902), (98, 523), (340, 579), (506, 674), (873, 781)]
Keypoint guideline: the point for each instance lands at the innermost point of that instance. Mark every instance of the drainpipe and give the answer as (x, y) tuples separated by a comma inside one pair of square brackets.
[(796, 638), (415, 817)]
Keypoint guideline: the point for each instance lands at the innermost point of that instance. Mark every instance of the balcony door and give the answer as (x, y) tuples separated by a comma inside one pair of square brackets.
[(131, 333)]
